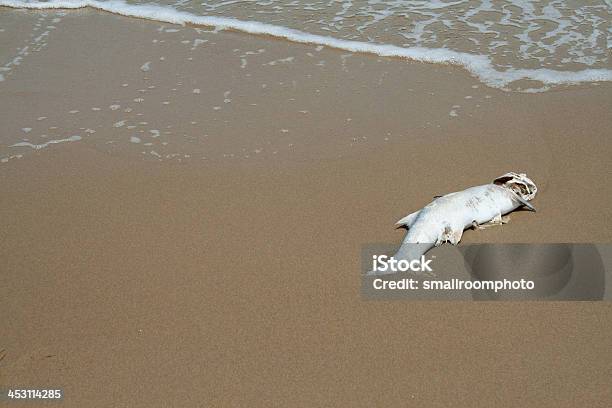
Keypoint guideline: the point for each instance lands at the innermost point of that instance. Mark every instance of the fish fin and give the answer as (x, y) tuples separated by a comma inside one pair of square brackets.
[(455, 237), (408, 220), (450, 235), (497, 220)]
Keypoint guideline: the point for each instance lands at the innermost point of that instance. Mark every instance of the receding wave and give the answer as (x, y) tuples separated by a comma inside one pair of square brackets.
[(479, 65)]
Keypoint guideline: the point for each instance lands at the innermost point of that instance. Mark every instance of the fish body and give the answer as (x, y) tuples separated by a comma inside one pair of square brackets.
[(445, 218)]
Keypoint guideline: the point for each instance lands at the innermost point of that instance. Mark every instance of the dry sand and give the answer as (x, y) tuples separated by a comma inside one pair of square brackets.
[(234, 280)]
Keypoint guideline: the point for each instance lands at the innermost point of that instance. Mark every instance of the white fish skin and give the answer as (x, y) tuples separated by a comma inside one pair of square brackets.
[(445, 218)]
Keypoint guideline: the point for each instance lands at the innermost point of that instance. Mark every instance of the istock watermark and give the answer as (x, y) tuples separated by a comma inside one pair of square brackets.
[(388, 264), (488, 272)]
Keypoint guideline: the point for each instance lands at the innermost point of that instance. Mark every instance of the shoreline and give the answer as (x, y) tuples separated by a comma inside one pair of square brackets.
[(479, 66)]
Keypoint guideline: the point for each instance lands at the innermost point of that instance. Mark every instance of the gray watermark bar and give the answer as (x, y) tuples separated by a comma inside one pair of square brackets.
[(530, 272)]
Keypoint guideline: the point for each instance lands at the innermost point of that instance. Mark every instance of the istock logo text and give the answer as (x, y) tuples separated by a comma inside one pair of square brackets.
[(384, 263)]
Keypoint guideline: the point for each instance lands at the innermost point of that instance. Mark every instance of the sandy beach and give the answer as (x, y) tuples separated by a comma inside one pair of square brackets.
[(199, 244)]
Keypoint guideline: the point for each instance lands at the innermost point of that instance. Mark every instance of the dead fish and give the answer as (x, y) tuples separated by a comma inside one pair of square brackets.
[(445, 218)]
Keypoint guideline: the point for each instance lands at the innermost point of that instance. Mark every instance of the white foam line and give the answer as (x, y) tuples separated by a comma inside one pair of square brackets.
[(479, 65), (43, 145)]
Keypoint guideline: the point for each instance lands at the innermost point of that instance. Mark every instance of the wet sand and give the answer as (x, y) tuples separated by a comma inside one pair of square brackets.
[(231, 277)]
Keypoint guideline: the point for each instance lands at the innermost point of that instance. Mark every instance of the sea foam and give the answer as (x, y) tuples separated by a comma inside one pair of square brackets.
[(478, 65), (50, 142)]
